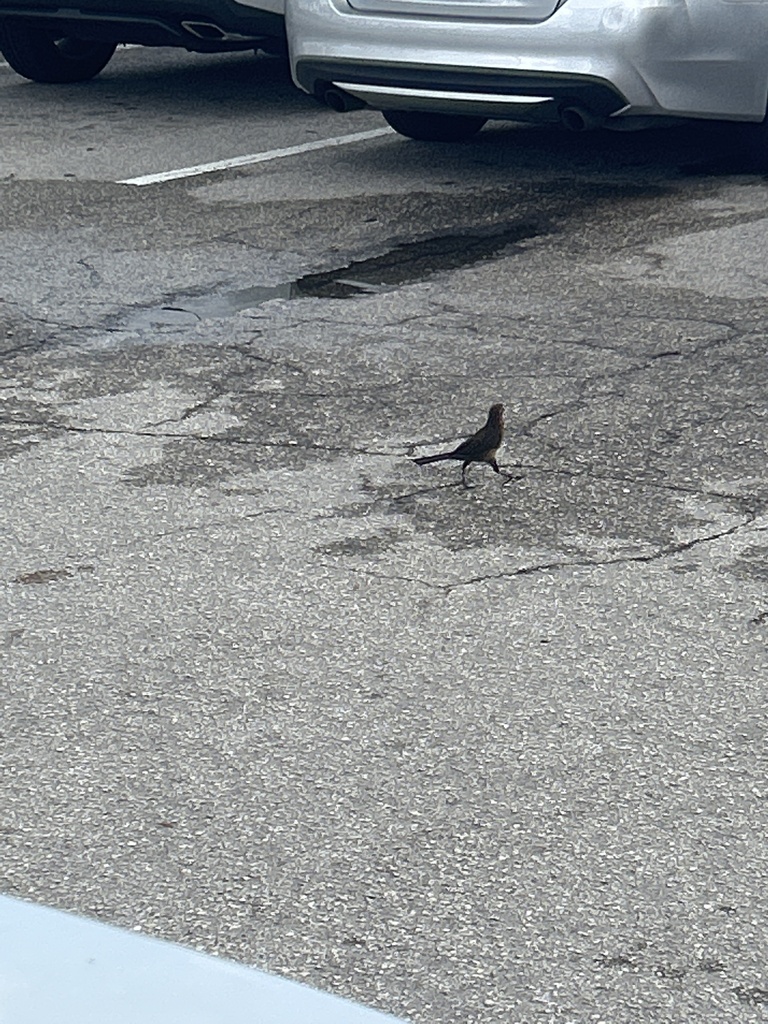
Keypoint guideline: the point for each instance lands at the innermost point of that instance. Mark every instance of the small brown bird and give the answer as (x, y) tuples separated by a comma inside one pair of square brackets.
[(481, 447)]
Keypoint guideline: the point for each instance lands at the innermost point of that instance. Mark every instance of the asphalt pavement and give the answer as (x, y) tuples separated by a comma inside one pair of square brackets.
[(270, 689)]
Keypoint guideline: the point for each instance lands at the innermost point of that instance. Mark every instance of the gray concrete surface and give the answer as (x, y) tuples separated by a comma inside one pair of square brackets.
[(148, 111), (272, 690)]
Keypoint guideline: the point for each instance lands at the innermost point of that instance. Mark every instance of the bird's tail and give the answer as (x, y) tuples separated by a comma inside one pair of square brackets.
[(432, 458)]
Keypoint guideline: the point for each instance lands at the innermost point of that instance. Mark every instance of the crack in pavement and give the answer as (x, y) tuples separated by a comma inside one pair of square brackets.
[(346, 449), (11, 353), (587, 395), (204, 405), (635, 481), (390, 577), (558, 566), (665, 552), (48, 321), (203, 438)]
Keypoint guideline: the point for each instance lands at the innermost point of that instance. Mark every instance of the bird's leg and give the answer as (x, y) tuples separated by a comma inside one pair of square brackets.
[(464, 475), (509, 476)]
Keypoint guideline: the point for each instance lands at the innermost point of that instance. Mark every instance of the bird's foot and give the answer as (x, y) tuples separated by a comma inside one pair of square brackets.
[(512, 477)]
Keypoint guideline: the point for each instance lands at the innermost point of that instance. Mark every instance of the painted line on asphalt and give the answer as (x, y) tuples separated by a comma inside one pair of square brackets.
[(255, 158)]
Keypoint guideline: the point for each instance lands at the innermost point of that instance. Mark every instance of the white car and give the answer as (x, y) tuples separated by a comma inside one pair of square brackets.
[(59, 968), (438, 69), (72, 40)]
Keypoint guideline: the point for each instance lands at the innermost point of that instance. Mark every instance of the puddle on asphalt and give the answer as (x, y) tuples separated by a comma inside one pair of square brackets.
[(403, 264), (415, 261), (207, 307)]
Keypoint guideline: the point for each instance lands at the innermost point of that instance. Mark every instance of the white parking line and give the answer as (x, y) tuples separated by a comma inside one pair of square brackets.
[(254, 158)]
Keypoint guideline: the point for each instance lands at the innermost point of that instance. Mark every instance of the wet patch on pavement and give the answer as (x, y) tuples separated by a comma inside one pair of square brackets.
[(405, 263)]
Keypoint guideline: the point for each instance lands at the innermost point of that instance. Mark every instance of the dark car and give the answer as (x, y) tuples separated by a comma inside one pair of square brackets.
[(72, 40)]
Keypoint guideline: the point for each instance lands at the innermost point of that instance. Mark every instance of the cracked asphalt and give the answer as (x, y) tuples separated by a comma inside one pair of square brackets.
[(270, 689)]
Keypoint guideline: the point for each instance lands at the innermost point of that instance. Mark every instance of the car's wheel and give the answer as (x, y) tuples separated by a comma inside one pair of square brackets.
[(426, 127), (42, 55), (752, 145)]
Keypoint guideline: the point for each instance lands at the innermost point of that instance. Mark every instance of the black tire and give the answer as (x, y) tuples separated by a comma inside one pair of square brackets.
[(426, 127), (40, 54), (752, 146)]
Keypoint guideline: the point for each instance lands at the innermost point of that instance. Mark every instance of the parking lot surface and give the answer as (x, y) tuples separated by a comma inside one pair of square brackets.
[(274, 691)]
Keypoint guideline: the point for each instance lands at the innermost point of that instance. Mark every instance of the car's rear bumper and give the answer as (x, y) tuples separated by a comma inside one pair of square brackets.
[(645, 57), (490, 92)]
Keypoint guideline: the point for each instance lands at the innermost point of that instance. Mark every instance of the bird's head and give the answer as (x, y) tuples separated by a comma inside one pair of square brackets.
[(496, 414)]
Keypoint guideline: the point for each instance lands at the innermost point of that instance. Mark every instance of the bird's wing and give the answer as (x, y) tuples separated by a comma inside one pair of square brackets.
[(470, 444)]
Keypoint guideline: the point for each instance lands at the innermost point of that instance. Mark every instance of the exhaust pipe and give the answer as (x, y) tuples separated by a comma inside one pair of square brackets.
[(210, 32), (339, 100), (579, 119)]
